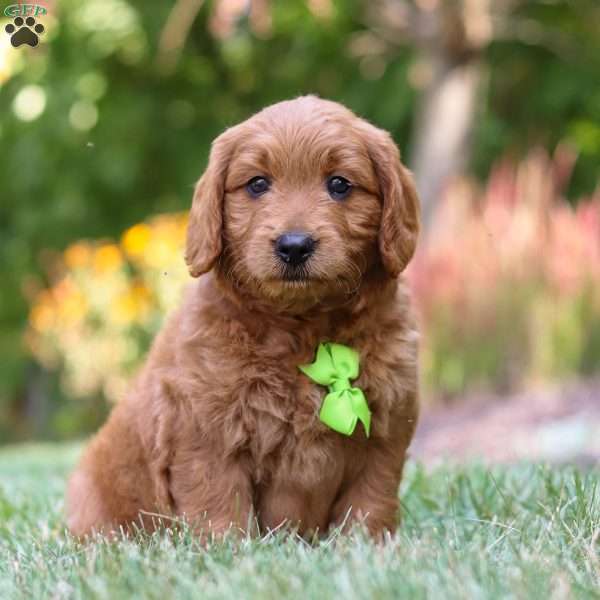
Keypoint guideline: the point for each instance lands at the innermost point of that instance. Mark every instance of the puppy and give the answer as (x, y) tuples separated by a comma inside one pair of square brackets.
[(299, 229)]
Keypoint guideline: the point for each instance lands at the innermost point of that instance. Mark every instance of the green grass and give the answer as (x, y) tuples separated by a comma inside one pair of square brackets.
[(468, 532)]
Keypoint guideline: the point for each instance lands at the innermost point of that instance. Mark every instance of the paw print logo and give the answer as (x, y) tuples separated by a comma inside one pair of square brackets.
[(24, 32)]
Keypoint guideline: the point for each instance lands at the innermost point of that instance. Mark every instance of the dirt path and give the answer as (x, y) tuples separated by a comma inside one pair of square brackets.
[(560, 425)]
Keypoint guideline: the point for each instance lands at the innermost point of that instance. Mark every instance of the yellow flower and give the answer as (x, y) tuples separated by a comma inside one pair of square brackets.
[(73, 309), (181, 221), (107, 258), (166, 244), (140, 292), (78, 255), (136, 239), (133, 305)]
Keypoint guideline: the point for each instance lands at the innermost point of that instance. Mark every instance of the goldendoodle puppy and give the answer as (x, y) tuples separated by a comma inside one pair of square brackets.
[(284, 389)]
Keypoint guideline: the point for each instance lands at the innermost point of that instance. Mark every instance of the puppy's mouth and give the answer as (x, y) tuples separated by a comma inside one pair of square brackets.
[(298, 275), (293, 276)]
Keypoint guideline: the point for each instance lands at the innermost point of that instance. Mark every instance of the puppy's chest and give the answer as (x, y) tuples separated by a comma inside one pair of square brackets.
[(276, 416), (276, 406)]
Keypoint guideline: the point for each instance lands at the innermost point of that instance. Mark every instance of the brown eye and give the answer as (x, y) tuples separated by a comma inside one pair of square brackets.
[(257, 186), (338, 187)]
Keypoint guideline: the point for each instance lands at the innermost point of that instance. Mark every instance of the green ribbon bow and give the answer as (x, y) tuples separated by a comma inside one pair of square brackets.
[(345, 405)]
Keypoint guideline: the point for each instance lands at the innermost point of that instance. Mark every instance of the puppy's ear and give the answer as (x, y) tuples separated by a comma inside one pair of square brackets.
[(204, 233), (400, 215)]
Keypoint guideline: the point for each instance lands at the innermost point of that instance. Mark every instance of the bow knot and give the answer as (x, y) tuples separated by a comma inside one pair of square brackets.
[(334, 366)]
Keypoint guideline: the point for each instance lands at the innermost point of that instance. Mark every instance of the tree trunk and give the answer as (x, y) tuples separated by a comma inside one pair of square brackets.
[(441, 139)]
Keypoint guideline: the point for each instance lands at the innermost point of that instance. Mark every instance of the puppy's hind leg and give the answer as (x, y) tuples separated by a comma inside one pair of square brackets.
[(86, 509), (112, 484)]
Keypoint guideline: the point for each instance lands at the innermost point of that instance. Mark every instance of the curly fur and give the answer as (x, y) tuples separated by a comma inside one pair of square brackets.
[(220, 426)]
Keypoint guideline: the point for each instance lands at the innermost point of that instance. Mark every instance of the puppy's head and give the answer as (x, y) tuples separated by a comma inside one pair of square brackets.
[(301, 201)]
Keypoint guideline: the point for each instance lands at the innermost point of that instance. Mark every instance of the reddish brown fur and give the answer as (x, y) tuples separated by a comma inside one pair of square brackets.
[(221, 426)]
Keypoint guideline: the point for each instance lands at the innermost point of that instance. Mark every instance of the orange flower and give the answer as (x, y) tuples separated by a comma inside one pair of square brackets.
[(64, 289), (42, 317), (107, 258), (78, 255)]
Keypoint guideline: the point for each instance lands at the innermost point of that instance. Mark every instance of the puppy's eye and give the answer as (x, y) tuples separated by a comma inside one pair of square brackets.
[(338, 187), (257, 186)]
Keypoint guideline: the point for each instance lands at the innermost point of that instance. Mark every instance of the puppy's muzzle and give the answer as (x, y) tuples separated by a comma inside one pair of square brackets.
[(294, 248)]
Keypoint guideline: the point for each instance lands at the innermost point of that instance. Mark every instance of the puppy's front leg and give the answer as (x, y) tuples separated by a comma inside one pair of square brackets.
[(372, 497), (213, 496)]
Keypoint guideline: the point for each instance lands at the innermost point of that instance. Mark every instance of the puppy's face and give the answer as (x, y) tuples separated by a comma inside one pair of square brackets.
[(300, 201), (301, 208)]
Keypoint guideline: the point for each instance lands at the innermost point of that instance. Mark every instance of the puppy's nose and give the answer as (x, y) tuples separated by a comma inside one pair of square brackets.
[(294, 248)]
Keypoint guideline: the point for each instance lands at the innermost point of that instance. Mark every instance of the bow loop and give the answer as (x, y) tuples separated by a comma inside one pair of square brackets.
[(344, 406)]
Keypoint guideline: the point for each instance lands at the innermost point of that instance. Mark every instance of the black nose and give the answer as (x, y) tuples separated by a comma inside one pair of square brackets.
[(294, 248)]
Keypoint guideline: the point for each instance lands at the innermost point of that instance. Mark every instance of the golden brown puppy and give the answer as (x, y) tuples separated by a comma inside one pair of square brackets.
[(300, 227)]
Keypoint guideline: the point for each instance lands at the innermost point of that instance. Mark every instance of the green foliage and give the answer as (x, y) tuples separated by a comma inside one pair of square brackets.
[(471, 531), (544, 86)]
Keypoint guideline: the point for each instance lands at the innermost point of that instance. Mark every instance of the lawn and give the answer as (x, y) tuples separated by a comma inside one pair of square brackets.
[(468, 532)]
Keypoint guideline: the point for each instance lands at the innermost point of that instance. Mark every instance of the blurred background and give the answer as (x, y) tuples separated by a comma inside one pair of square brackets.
[(495, 104)]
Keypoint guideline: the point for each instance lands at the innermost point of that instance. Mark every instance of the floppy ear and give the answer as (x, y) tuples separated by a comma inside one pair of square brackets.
[(399, 227), (204, 232)]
